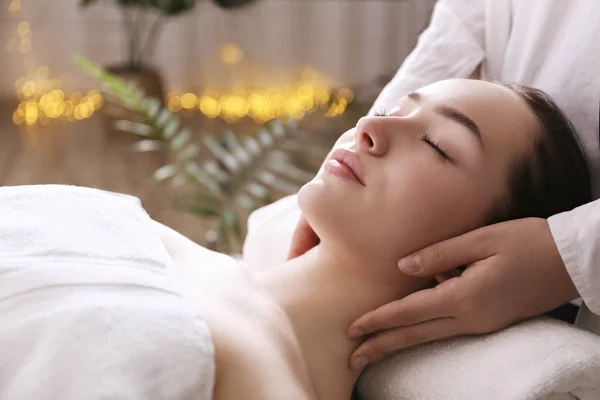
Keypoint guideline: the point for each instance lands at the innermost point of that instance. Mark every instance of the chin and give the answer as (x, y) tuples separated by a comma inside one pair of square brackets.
[(311, 196), (330, 212), (326, 191)]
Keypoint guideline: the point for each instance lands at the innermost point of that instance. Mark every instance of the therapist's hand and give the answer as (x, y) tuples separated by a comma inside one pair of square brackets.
[(514, 272), (303, 240)]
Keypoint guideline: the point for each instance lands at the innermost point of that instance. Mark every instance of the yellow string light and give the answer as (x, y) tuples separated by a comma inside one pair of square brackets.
[(174, 103), (188, 101), (14, 6), (231, 54), (41, 99), (293, 101)]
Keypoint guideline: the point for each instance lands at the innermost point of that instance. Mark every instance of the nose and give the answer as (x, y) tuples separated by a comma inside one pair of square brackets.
[(370, 136)]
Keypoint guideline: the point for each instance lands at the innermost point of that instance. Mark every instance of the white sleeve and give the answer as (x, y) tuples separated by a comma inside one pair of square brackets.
[(451, 47), (577, 236)]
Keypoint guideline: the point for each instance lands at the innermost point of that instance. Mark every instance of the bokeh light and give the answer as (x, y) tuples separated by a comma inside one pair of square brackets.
[(53, 105), (231, 54), (41, 99), (262, 105), (14, 6), (188, 101)]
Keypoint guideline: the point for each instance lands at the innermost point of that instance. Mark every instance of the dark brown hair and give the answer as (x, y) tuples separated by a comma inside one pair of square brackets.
[(554, 177)]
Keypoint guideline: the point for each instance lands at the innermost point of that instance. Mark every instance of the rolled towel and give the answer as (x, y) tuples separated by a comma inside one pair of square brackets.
[(537, 359)]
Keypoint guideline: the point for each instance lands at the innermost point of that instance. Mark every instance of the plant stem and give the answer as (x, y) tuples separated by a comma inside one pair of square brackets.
[(147, 49), (126, 18), (133, 45)]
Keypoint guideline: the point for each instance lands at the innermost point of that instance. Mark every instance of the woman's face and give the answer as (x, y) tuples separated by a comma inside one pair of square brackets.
[(432, 168)]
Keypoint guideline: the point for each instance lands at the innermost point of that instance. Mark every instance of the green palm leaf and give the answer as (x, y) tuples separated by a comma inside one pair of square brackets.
[(236, 173)]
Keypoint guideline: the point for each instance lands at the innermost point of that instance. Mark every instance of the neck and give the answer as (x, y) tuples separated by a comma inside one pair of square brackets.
[(322, 293)]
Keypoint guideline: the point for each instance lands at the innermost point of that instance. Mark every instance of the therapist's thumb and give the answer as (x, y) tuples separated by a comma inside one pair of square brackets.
[(447, 255)]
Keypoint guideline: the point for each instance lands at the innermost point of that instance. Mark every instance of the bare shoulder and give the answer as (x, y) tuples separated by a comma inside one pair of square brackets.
[(186, 253), (256, 354)]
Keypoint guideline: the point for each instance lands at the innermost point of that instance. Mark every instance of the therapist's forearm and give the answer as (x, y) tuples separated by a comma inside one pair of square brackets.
[(577, 237)]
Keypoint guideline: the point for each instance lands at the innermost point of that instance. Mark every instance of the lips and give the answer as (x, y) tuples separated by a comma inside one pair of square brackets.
[(348, 160)]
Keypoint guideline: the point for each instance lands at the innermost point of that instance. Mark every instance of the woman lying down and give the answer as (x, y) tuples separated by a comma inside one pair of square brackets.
[(449, 158)]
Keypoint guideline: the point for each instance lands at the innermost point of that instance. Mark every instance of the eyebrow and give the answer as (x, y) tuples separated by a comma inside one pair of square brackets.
[(454, 115)]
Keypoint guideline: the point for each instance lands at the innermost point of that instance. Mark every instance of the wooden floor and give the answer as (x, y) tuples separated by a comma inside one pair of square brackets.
[(83, 153)]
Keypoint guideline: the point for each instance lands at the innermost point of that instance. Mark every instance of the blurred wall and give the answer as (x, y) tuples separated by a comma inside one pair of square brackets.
[(350, 41)]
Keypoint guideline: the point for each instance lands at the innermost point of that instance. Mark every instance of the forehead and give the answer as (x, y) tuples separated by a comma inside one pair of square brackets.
[(504, 118)]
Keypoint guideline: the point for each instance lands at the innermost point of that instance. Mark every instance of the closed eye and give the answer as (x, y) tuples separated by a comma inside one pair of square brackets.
[(436, 147), (425, 138), (382, 113)]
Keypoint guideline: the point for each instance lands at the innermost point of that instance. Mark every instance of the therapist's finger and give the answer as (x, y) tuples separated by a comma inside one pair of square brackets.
[(424, 305), (388, 342), (449, 254)]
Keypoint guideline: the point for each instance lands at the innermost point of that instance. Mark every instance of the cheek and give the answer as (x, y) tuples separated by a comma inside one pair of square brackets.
[(408, 205), (426, 206)]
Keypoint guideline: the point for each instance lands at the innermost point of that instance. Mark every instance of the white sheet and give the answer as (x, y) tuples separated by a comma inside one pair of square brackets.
[(88, 306)]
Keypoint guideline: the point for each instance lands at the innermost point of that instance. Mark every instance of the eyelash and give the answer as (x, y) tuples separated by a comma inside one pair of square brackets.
[(443, 155), (424, 137)]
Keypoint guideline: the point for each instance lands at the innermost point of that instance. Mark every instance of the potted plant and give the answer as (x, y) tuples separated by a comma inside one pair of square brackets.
[(233, 174), (142, 23)]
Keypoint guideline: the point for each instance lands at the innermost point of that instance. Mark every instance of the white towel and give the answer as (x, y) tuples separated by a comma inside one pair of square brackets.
[(540, 359), (89, 308)]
